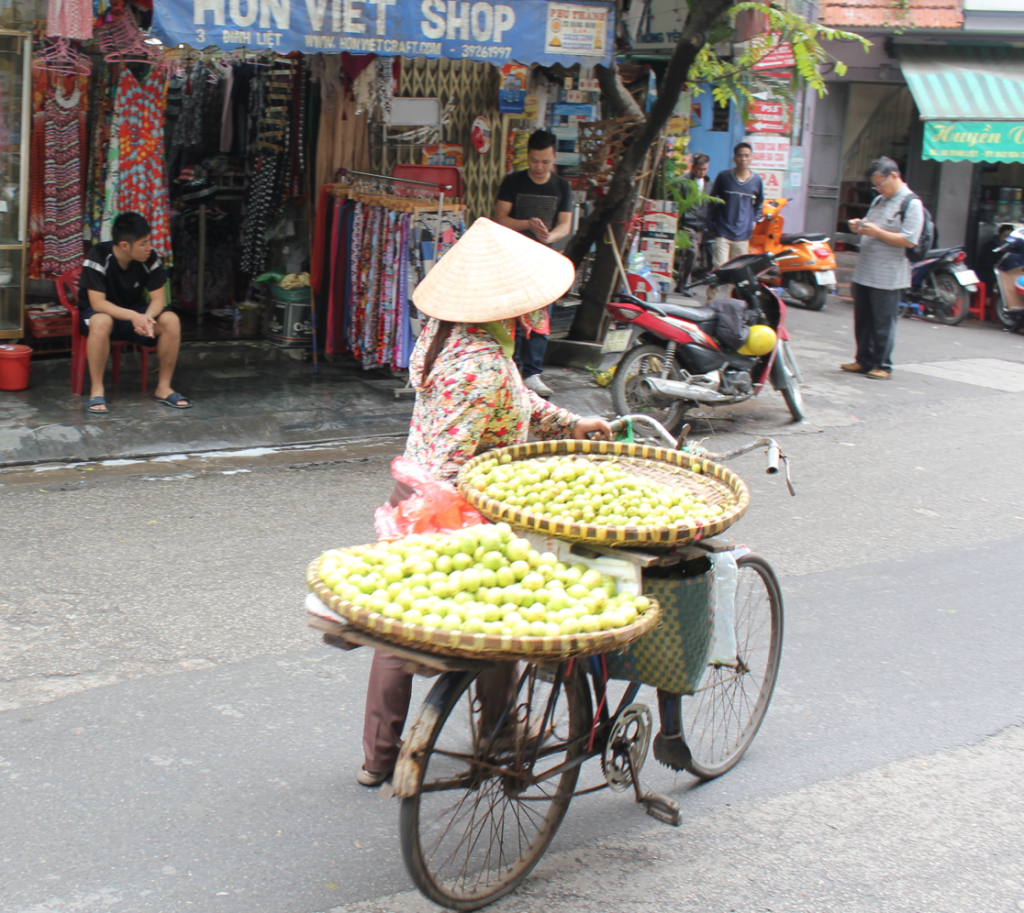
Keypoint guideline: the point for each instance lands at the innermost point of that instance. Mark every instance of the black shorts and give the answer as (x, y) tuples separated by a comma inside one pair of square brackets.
[(123, 331)]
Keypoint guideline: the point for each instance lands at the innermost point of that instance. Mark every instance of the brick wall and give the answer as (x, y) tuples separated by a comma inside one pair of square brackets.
[(922, 14)]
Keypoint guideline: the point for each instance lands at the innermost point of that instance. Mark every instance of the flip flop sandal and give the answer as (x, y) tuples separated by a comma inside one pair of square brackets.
[(174, 401), (97, 401)]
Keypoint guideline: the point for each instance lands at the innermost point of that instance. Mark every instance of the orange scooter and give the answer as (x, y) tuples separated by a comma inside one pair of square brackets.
[(807, 274)]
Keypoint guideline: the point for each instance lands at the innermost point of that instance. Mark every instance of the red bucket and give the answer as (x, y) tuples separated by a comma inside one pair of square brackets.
[(14, 367)]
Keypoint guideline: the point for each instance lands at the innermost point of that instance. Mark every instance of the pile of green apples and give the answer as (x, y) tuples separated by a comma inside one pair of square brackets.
[(481, 580), (598, 492)]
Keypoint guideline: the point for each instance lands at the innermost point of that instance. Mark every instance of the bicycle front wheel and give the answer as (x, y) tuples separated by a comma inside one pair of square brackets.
[(722, 717), (495, 781)]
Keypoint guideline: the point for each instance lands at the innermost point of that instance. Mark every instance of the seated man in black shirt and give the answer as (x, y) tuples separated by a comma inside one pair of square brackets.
[(112, 305), (538, 203)]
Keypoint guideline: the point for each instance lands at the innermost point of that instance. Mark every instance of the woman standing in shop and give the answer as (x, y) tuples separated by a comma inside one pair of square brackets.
[(470, 398)]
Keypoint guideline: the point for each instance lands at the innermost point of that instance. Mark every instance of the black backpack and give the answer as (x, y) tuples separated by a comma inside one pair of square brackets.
[(929, 234)]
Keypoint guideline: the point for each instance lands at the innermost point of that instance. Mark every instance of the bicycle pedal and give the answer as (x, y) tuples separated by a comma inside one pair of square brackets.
[(672, 751), (665, 810)]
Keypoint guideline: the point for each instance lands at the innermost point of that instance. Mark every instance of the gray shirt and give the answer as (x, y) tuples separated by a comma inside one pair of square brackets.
[(880, 264)]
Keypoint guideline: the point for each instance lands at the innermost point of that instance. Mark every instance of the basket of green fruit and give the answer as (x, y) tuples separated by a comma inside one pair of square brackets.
[(605, 492), (480, 592)]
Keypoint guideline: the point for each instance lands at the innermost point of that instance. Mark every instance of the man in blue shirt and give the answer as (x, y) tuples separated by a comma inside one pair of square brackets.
[(733, 220)]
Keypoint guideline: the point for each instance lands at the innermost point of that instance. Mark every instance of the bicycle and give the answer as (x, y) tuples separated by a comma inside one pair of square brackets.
[(492, 761)]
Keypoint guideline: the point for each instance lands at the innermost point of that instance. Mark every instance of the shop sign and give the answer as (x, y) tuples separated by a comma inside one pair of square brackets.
[(527, 31), (780, 57), (973, 141), (512, 94), (769, 116), (771, 153), (576, 29)]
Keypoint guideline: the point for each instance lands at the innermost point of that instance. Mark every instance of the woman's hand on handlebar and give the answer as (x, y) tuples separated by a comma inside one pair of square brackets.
[(594, 428)]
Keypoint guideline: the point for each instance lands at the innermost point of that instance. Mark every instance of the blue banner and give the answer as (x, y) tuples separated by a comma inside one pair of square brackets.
[(525, 31)]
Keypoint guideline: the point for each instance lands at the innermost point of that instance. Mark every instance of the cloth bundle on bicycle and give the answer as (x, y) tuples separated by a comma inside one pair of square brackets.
[(674, 655), (731, 327)]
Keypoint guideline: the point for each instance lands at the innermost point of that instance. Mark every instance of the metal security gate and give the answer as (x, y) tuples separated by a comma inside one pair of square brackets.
[(466, 89)]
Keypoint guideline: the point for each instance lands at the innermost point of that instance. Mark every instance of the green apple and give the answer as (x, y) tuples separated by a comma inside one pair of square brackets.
[(533, 581), (569, 625)]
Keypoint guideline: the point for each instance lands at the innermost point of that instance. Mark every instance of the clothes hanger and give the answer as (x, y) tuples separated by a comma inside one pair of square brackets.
[(61, 57)]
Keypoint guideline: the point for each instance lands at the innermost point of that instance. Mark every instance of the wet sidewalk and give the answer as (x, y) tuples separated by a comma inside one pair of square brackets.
[(246, 394)]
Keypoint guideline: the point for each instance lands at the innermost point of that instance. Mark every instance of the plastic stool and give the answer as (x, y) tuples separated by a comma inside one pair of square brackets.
[(979, 303)]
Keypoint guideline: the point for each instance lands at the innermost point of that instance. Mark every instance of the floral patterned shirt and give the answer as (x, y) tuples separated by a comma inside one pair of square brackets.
[(473, 400)]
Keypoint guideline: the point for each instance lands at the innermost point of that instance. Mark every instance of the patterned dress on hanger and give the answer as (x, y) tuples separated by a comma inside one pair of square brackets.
[(70, 19), (142, 181), (62, 180)]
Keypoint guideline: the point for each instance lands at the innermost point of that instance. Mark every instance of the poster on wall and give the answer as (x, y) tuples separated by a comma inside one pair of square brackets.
[(576, 29), (443, 154), (512, 93), (480, 133), (771, 153), (773, 184)]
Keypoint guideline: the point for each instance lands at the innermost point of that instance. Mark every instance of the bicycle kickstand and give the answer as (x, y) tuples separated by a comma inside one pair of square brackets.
[(657, 806)]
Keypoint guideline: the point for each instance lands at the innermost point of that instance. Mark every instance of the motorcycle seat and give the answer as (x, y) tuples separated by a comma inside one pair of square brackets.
[(796, 239), (939, 252), (699, 314)]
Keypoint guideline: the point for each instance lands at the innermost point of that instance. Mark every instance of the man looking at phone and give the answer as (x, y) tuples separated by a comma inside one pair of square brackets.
[(893, 223)]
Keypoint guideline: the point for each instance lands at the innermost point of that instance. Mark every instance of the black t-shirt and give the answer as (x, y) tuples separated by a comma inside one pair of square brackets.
[(122, 286), (531, 200)]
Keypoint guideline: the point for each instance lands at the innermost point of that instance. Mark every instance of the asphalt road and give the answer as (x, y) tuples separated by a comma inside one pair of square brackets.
[(172, 736)]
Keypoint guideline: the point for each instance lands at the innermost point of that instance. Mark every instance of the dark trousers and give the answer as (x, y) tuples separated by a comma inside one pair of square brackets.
[(387, 705), (529, 354), (875, 313)]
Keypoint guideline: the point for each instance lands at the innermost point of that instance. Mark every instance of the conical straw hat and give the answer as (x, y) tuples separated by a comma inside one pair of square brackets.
[(492, 273)]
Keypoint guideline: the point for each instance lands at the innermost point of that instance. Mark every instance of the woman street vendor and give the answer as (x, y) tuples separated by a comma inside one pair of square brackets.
[(470, 398)]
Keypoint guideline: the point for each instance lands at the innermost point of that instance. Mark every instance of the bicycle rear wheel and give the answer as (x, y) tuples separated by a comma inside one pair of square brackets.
[(492, 791), (722, 717)]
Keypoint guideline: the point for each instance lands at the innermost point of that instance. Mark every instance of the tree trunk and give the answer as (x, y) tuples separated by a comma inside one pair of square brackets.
[(615, 206)]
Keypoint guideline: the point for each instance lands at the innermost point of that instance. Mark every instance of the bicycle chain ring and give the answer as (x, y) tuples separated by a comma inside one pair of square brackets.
[(630, 733)]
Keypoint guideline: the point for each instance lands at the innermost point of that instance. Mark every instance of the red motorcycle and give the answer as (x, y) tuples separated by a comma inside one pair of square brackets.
[(673, 362)]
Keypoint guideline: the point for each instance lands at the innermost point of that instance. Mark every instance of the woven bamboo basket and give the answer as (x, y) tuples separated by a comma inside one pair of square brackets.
[(480, 646), (671, 468)]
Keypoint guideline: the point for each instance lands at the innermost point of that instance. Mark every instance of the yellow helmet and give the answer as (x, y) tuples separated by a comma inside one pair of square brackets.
[(760, 340)]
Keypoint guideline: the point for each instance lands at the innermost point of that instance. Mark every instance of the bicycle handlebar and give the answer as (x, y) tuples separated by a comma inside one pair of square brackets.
[(773, 452)]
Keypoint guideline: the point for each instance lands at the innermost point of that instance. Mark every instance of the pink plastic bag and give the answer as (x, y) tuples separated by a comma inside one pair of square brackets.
[(436, 507)]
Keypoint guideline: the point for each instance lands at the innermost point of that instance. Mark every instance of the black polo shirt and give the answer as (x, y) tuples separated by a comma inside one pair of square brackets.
[(532, 200), (122, 286)]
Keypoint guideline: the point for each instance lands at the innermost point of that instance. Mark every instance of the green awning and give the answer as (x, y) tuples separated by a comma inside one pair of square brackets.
[(971, 100)]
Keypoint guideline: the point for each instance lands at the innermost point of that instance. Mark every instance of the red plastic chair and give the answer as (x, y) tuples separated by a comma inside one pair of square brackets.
[(67, 291)]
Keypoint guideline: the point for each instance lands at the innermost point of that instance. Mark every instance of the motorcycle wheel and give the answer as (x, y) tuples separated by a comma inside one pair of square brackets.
[(785, 382), (946, 288), (629, 396), (817, 301), (1012, 320)]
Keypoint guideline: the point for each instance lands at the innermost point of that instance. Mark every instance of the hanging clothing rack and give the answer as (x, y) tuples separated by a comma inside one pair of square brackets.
[(399, 203)]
